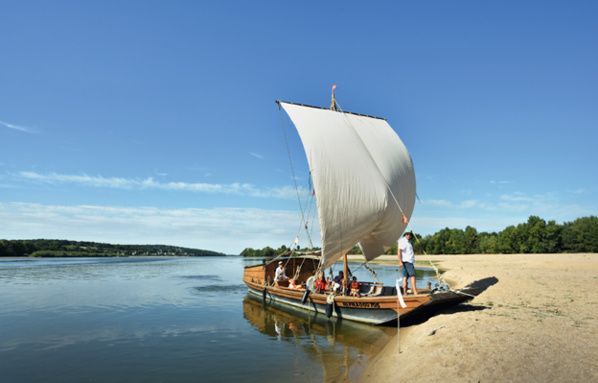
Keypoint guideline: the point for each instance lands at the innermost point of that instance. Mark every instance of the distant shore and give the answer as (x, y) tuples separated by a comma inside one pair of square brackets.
[(536, 321)]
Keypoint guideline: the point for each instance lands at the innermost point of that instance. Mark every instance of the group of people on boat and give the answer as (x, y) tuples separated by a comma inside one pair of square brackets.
[(406, 257), (322, 285), (280, 275)]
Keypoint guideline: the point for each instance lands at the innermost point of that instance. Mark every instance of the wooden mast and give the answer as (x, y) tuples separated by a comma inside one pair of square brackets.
[(346, 272), (345, 267), (333, 101)]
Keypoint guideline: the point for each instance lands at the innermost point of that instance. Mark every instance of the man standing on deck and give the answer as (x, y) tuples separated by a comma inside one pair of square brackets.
[(407, 261)]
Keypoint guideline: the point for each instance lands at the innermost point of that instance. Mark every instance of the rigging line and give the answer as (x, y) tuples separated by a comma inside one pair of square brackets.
[(440, 279), (372, 157), (309, 206), (370, 269), (313, 219), (438, 275), (301, 228), (308, 202), (292, 169)]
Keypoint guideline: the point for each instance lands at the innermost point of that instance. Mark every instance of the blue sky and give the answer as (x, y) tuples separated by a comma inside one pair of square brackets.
[(154, 122)]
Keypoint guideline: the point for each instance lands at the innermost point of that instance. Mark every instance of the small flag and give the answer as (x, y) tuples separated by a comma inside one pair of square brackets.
[(400, 296), (296, 240), (405, 220), (333, 87)]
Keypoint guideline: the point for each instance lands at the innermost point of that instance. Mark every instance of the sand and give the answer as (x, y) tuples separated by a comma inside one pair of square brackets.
[(536, 321)]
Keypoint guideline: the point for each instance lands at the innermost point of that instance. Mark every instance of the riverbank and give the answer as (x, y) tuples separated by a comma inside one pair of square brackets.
[(536, 321)]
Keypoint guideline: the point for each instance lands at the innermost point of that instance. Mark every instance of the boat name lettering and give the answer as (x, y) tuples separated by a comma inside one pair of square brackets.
[(365, 305)]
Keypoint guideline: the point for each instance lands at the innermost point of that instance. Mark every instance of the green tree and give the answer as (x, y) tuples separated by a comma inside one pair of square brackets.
[(581, 235), (471, 241), (507, 241), (488, 243)]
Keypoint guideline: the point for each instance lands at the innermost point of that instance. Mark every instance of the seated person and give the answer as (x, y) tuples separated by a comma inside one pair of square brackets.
[(355, 288), (294, 285), (321, 284), (338, 281)]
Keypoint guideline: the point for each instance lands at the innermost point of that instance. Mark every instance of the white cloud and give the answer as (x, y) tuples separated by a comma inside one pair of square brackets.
[(505, 206), (17, 127), (228, 230), (256, 155), (578, 191), (437, 202), (516, 197), (286, 192), (469, 204)]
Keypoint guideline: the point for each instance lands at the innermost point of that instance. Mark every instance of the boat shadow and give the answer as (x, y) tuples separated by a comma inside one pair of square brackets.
[(483, 284), (480, 285)]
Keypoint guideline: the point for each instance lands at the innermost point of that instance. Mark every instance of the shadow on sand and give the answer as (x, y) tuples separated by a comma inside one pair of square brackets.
[(480, 285), (483, 284)]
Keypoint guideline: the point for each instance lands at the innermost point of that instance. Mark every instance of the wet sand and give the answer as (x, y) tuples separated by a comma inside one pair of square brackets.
[(535, 321)]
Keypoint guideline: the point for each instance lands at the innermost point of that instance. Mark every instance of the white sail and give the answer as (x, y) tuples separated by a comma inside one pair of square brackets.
[(359, 166)]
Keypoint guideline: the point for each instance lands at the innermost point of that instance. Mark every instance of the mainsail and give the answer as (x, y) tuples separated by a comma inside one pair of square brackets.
[(363, 178)]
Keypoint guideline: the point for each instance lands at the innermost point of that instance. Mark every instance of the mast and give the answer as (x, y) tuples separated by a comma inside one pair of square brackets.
[(346, 272), (333, 101)]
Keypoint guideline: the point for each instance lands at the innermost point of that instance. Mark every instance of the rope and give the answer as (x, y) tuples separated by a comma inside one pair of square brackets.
[(298, 270), (438, 275), (294, 178), (372, 157)]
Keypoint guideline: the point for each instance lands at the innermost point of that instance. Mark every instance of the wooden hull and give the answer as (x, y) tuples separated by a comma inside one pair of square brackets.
[(375, 310)]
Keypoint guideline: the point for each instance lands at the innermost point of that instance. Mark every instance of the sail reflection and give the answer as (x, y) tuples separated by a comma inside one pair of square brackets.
[(341, 348)]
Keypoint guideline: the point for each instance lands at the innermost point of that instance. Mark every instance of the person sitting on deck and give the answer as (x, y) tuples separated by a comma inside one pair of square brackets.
[(280, 274), (338, 281), (355, 288), (321, 284), (293, 285)]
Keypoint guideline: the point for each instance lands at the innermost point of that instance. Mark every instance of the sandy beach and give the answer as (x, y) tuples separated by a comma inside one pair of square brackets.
[(535, 321)]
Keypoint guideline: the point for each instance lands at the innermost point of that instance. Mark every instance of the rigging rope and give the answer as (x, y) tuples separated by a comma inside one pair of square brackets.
[(294, 180), (438, 275)]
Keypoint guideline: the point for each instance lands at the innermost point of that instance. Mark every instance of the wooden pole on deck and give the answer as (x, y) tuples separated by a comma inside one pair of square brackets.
[(346, 272), (398, 314)]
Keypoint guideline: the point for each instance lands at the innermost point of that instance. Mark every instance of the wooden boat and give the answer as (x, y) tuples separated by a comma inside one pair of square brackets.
[(364, 187), (376, 305)]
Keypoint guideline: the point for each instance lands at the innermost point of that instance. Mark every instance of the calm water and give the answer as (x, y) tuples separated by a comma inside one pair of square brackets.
[(166, 320)]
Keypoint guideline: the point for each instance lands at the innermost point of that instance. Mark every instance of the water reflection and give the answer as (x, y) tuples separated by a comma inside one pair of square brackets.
[(341, 348)]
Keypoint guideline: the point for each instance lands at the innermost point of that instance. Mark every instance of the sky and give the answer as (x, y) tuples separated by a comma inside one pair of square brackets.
[(155, 122)]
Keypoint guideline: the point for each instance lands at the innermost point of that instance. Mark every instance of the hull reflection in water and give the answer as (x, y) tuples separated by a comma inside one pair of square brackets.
[(343, 348)]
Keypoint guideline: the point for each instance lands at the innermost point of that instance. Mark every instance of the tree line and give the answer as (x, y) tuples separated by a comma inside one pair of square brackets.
[(66, 248), (534, 236)]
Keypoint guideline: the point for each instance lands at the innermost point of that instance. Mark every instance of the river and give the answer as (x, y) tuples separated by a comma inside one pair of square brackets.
[(166, 320)]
